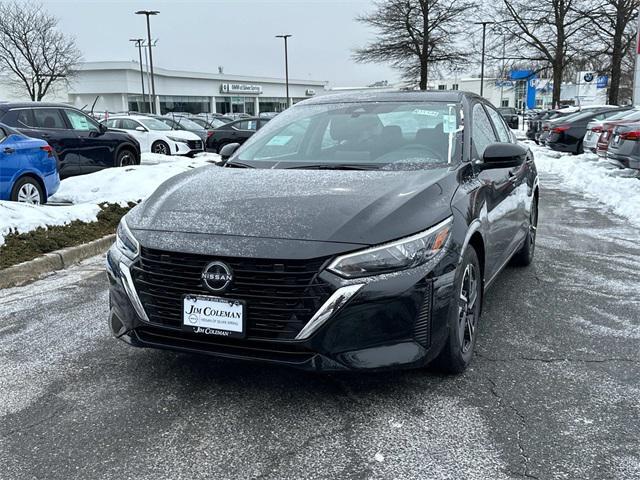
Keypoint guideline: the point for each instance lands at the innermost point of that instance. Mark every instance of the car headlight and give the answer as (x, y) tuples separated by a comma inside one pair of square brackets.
[(405, 253), (126, 242), (178, 140)]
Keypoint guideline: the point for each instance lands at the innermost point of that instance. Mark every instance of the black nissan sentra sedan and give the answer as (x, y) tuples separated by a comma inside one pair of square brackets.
[(351, 232)]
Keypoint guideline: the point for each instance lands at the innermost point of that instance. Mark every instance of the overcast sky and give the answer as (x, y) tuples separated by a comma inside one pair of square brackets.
[(238, 34)]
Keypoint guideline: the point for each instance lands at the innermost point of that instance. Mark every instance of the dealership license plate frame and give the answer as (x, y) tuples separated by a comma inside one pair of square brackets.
[(201, 328)]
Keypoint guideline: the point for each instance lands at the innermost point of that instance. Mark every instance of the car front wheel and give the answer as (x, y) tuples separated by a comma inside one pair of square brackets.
[(161, 148), (126, 158), (28, 190), (464, 315)]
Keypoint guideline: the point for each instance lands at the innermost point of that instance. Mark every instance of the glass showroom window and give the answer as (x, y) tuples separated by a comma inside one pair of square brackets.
[(138, 104), (184, 104)]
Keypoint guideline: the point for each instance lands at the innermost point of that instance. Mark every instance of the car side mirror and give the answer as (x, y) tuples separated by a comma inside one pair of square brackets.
[(503, 155), (140, 128), (228, 150)]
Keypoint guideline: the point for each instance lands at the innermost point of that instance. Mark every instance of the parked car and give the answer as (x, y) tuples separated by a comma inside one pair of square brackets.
[(156, 136), (596, 128), (567, 134), (354, 232), (210, 123), (238, 131), (624, 147), (81, 144), (510, 116), (28, 168), (183, 123)]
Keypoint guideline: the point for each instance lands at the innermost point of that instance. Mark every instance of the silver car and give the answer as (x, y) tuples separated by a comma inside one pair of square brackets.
[(624, 146)]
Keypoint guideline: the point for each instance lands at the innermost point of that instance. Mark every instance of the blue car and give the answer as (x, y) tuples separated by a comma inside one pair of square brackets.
[(28, 168)]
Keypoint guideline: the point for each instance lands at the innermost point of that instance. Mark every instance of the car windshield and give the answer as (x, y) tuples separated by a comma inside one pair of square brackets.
[(369, 135), (153, 124), (187, 124)]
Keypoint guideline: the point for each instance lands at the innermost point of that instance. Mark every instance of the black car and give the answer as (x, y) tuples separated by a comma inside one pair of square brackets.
[(352, 232), (81, 144), (237, 131), (567, 134), (510, 116)]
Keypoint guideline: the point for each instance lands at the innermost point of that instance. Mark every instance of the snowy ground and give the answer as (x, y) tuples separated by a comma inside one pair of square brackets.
[(616, 189), (82, 194)]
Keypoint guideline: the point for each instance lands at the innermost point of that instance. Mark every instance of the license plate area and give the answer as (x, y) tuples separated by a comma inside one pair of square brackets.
[(216, 316)]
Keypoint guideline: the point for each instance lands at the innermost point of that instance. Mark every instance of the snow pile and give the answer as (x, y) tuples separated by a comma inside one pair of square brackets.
[(618, 189), (126, 184), (24, 218), (85, 192)]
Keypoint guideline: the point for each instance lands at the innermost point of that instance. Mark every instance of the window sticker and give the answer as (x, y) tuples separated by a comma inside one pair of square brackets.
[(426, 113), (449, 123), (279, 141)]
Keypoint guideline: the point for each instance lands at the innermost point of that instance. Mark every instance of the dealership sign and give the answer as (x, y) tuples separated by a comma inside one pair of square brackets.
[(240, 88)]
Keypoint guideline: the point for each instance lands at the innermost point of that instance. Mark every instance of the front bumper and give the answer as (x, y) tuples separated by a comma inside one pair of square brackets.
[(398, 320)]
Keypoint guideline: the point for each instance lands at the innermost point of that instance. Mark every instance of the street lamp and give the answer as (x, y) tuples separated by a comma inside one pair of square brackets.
[(147, 13), (286, 64), (484, 36), (138, 43)]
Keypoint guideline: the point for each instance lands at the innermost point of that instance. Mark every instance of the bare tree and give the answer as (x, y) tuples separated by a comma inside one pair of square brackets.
[(415, 36), (545, 32), (613, 32), (34, 53)]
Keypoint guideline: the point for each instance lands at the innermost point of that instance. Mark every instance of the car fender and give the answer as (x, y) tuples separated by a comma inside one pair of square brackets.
[(29, 172)]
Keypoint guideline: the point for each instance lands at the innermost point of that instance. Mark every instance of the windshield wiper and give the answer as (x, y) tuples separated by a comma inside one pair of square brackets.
[(235, 164), (334, 166)]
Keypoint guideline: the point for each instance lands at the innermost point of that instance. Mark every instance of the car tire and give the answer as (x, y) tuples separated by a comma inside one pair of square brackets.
[(464, 315), (524, 256), (161, 148), (579, 148), (126, 158), (28, 190)]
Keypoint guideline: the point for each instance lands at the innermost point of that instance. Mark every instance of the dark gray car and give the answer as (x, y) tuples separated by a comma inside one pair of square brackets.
[(624, 146)]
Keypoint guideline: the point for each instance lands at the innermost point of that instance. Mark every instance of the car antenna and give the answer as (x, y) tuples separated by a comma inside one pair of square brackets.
[(94, 104)]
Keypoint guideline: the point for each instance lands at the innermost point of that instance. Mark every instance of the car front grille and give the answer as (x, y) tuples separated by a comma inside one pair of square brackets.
[(195, 144), (281, 295)]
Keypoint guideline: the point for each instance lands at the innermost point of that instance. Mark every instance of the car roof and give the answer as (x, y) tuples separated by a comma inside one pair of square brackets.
[(10, 105), (453, 96)]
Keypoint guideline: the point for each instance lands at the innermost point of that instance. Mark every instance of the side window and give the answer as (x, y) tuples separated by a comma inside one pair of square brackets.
[(3, 135), (19, 118), (246, 125), (48, 118), (128, 124), (498, 122), (112, 123), (483, 134), (79, 121)]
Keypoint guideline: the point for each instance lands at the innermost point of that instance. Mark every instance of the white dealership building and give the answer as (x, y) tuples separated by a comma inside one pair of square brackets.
[(117, 86)]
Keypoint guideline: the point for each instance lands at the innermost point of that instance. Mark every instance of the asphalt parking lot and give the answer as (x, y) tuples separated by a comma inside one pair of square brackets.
[(553, 392)]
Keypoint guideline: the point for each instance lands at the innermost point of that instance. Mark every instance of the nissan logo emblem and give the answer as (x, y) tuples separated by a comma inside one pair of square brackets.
[(217, 276)]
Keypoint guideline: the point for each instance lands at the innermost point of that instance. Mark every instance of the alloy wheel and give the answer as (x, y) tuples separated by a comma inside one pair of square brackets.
[(533, 226), (29, 193), (161, 149), (126, 160), (467, 307)]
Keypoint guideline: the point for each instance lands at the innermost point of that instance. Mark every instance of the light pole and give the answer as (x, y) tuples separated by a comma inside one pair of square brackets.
[(286, 64), (138, 43), (148, 13), (484, 36)]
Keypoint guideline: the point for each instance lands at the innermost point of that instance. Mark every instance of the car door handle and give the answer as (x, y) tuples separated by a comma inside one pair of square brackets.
[(8, 150)]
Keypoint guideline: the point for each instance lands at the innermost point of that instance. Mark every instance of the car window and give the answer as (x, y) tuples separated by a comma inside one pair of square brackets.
[(81, 122), (247, 125), (113, 123), (48, 118), (19, 118), (483, 134), (498, 122), (128, 124), (3, 135)]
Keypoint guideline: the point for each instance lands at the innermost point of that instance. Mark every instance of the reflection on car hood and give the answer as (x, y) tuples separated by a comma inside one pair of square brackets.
[(364, 207)]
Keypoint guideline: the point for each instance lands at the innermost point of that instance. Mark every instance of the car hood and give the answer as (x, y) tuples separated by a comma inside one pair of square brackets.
[(181, 134), (363, 207)]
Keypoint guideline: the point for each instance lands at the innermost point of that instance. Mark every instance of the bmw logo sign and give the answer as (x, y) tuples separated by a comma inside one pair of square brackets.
[(588, 77), (217, 276)]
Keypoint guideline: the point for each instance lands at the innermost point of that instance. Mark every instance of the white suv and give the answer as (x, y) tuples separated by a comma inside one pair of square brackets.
[(156, 136)]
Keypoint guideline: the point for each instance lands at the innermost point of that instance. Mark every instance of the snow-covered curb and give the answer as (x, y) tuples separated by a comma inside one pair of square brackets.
[(616, 189), (85, 192)]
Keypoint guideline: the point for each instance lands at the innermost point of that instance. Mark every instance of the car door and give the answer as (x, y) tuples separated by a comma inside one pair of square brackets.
[(500, 195), (520, 198), (95, 150), (245, 129), (137, 131)]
